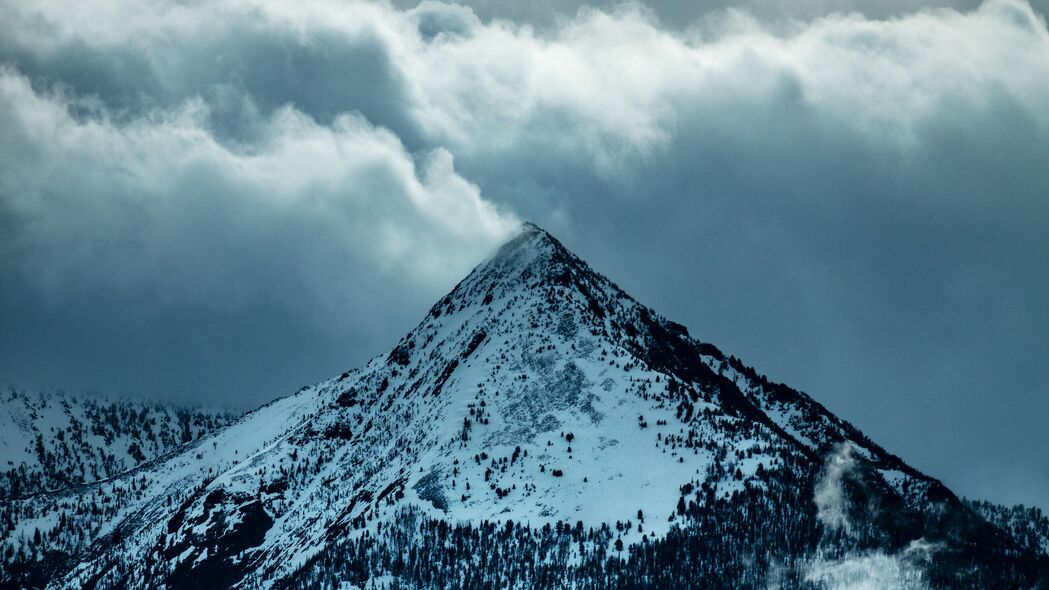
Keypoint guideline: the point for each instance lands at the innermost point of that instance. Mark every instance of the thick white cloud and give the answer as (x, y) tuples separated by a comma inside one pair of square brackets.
[(617, 89), (613, 87), (317, 217)]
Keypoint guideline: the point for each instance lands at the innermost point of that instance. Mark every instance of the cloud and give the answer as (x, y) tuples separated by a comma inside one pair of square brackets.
[(849, 195), (547, 14), (120, 234), (159, 207)]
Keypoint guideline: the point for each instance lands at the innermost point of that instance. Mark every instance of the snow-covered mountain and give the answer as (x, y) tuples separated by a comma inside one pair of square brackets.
[(55, 444), (539, 428), (52, 439)]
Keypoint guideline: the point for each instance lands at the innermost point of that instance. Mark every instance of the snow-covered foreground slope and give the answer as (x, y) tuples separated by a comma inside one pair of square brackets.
[(537, 395)]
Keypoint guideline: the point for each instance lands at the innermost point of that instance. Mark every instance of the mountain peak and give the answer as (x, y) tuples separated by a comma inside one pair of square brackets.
[(530, 258), (528, 226), (536, 393), (530, 242)]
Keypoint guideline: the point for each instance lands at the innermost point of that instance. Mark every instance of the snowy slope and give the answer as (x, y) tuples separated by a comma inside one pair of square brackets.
[(50, 440), (535, 392)]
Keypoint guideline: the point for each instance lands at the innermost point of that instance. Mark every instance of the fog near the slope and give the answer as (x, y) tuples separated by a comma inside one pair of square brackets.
[(860, 570), (828, 494), (870, 571), (228, 200)]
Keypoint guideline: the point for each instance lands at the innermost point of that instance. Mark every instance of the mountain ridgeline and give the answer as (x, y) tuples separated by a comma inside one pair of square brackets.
[(538, 429)]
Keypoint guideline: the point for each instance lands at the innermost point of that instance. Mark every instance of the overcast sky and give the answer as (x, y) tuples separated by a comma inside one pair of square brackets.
[(223, 201)]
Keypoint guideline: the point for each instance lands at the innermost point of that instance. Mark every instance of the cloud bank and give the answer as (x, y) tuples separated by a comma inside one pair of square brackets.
[(854, 202)]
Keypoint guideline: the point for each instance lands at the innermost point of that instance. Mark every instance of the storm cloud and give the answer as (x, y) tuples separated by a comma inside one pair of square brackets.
[(224, 201)]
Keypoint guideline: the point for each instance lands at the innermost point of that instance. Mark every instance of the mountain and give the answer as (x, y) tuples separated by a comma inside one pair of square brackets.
[(1029, 526), (56, 445), (538, 429), (55, 440)]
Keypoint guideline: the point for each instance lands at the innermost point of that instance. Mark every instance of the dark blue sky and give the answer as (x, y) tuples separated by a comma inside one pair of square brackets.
[(220, 202)]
